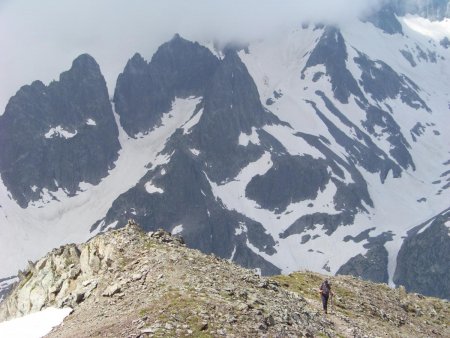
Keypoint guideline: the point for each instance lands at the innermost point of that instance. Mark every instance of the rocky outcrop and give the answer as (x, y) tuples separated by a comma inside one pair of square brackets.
[(72, 273), (386, 20), (275, 192), (65, 277), (331, 52), (129, 272), (431, 9), (145, 91), (128, 283), (56, 136), (422, 262)]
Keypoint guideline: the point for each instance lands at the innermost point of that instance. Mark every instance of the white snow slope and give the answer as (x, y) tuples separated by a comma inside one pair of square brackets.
[(276, 66), (34, 325)]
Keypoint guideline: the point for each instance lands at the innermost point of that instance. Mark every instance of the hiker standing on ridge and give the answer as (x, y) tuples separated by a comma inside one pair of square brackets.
[(325, 293)]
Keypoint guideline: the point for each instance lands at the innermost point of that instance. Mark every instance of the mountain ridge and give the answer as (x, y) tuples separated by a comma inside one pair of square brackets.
[(129, 282)]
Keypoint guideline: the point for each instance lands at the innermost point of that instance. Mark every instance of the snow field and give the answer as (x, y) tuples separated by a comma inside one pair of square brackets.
[(34, 325)]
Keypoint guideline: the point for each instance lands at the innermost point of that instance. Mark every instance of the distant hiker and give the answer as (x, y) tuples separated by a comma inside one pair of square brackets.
[(325, 293)]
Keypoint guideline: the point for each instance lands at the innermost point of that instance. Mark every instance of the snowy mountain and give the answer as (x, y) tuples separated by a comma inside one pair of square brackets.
[(323, 148), (431, 9)]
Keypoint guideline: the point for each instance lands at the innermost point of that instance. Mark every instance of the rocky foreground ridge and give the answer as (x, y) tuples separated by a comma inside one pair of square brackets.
[(129, 283)]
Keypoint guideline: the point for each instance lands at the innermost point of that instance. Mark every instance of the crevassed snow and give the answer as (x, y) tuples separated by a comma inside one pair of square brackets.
[(59, 131), (68, 219), (34, 325)]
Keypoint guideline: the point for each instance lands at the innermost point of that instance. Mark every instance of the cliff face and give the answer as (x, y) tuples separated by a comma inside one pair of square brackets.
[(57, 136), (424, 253), (129, 283)]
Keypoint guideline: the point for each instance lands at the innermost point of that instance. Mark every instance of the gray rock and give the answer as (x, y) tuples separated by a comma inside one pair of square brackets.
[(386, 20), (331, 52), (145, 91), (422, 262), (432, 9), (34, 157)]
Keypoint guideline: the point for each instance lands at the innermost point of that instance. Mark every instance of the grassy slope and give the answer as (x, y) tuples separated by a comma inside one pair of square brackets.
[(374, 309)]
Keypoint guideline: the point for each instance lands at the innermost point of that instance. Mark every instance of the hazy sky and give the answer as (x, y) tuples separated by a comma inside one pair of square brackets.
[(40, 39)]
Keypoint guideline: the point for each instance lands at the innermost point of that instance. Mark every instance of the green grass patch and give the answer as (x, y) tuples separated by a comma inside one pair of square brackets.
[(304, 283)]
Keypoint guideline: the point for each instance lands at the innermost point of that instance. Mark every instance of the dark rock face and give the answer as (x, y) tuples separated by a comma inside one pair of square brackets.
[(230, 106), (409, 57), (422, 263), (382, 82), (328, 222), (145, 91), (348, 199), (445, 42), (363, 151), (331, 52), (386, 123), (386, 20), (379, 81), (186, 199), (291, 179), (59, 135), (373, 265), (432, 9)]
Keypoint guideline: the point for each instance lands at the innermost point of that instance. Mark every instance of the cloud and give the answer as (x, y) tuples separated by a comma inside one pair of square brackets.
[(39, 39)]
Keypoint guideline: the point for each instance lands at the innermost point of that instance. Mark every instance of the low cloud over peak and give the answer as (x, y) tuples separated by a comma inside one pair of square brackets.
[(39, 39)]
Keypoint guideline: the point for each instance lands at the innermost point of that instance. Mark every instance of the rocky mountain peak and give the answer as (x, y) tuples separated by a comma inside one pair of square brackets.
[(233, 98), (84, 70), (135, 64), (386, 20), (331, 52), (85, 62), (145, 91), (72, 116)]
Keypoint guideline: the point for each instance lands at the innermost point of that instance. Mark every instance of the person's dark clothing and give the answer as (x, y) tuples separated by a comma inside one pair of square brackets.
[(325, 302), (325, 291)]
